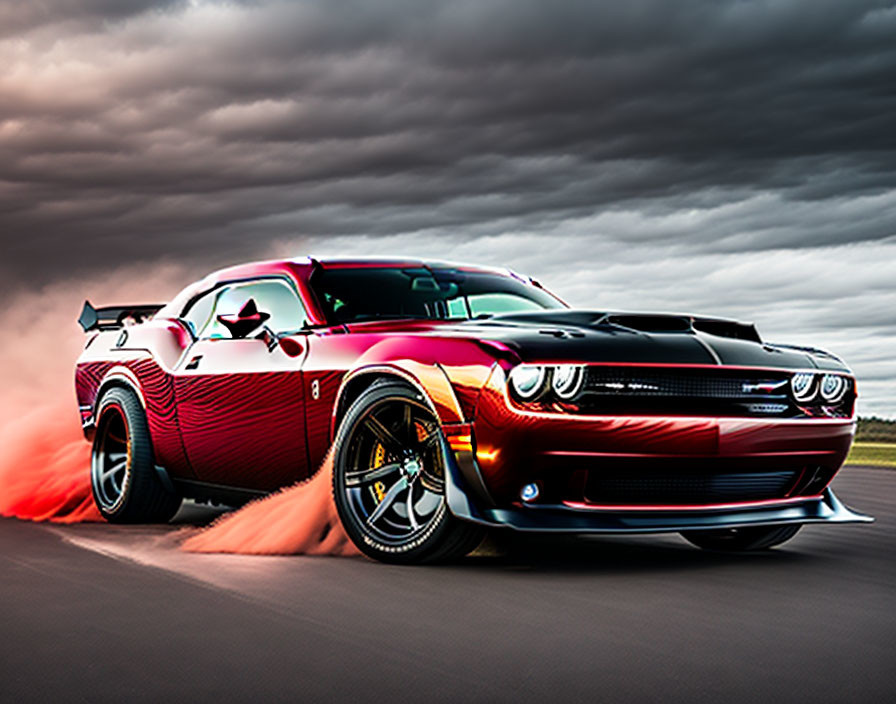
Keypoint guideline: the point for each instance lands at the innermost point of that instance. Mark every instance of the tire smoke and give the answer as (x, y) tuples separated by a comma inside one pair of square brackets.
[(298, 520), (45, 461), (44, 468), (44, 458)]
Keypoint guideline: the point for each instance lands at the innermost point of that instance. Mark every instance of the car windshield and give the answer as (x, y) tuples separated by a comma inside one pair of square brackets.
[(368, 293)]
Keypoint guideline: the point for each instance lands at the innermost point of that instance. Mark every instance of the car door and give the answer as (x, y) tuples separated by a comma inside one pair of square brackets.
[(240, 401)]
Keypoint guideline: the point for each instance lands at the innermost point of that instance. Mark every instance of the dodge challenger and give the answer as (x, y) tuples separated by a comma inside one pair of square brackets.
[(457, 399)]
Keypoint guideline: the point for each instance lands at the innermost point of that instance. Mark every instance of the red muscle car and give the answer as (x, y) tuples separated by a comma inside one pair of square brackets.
[(458, 398)]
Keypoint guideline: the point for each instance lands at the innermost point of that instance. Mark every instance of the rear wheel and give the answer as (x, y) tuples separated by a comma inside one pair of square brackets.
[(741, 539), (126, 487), (389, 480)]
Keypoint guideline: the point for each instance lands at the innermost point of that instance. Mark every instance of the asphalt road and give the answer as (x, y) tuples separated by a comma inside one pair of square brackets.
[(96, 613)]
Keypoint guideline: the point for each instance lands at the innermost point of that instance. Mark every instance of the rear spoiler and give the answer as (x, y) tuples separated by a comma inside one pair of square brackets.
[(114, 317)]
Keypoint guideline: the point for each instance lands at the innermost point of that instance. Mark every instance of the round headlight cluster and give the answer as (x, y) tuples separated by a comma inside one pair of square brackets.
[(803, 386), (833, 387), (566, 380), (824, 388), (528, 381)]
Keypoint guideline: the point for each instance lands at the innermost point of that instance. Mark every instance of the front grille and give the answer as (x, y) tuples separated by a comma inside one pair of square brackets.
[(687, 488), (683, 391)]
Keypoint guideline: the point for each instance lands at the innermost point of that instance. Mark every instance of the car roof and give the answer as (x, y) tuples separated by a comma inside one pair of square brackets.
[(300, 267), (357, 262)]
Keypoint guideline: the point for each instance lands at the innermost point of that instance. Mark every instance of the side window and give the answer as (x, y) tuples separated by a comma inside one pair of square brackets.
[(199, 314), (457, 308), (271, 296), (278, 299)]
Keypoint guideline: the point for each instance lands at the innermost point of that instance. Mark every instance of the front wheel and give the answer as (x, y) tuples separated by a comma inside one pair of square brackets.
[(741, 539), (389, 480)]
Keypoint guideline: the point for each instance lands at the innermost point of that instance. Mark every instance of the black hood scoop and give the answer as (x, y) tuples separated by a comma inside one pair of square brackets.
[(681, 323), (636, 338), (563, 324), (649, 323)]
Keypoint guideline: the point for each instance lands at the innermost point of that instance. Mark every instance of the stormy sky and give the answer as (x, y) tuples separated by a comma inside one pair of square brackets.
[(730, 157)]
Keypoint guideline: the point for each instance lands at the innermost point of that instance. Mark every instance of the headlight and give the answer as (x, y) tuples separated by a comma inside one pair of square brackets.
[(803, 386), (527, 381), (567, 380), (833, 387)]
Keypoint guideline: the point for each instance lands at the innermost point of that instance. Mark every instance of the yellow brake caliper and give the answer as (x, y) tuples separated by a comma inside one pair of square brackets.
[(378, 489)]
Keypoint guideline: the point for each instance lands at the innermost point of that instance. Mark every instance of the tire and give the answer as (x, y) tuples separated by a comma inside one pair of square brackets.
[(126, 487), (388, 450), (741, 539)]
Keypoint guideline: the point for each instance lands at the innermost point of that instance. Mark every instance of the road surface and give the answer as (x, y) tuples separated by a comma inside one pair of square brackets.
[(97, 613)]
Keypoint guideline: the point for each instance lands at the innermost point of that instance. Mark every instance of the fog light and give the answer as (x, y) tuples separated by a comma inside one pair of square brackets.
[(529, 492)]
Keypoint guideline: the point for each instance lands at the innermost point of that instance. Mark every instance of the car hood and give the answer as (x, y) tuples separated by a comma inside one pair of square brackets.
[(602, 336)]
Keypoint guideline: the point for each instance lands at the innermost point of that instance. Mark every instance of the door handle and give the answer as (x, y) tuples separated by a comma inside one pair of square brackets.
[(194, 363)]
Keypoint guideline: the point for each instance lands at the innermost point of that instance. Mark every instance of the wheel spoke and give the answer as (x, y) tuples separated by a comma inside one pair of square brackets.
[(365, 476), (410, 506), (408, 421), (387, 501), (115, 468), (428, 440), (383, 434)]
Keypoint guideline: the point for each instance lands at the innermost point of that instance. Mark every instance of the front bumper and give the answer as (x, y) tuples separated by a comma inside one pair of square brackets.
[(627, 459), (571, 518)]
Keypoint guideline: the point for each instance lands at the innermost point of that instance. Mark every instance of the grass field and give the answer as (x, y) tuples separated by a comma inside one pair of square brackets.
[(881, 454)]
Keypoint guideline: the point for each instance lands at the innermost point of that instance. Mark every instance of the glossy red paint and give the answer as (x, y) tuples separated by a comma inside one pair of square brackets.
[(514, 446), (250, 421), (155, 388), (238, 413)]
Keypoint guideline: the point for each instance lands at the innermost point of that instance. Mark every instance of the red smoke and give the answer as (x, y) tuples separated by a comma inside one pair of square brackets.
[(301, 519), (44, 458), (44, 468), (45, 461)]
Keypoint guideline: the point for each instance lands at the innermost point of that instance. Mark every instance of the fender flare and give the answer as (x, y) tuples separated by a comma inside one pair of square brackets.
[(445, 405), (465, 486), (119, 376)]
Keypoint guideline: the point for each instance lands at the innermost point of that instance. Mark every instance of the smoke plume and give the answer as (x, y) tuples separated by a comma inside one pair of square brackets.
[(44, 464), (44, 458), (301, 519)]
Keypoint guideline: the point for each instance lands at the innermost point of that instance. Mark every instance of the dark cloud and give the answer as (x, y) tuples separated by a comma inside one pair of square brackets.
[(165, 127), (17, 18), (706, 131)]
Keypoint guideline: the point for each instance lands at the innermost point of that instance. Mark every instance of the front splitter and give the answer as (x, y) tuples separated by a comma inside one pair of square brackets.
[(553, 518)]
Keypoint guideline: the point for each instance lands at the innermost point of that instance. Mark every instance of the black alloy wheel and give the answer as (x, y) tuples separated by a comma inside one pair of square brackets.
[(126, 486), (389, 480)]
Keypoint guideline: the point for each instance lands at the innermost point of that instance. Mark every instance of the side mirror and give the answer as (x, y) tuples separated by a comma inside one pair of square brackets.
[(291, 347), (241, 324)]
